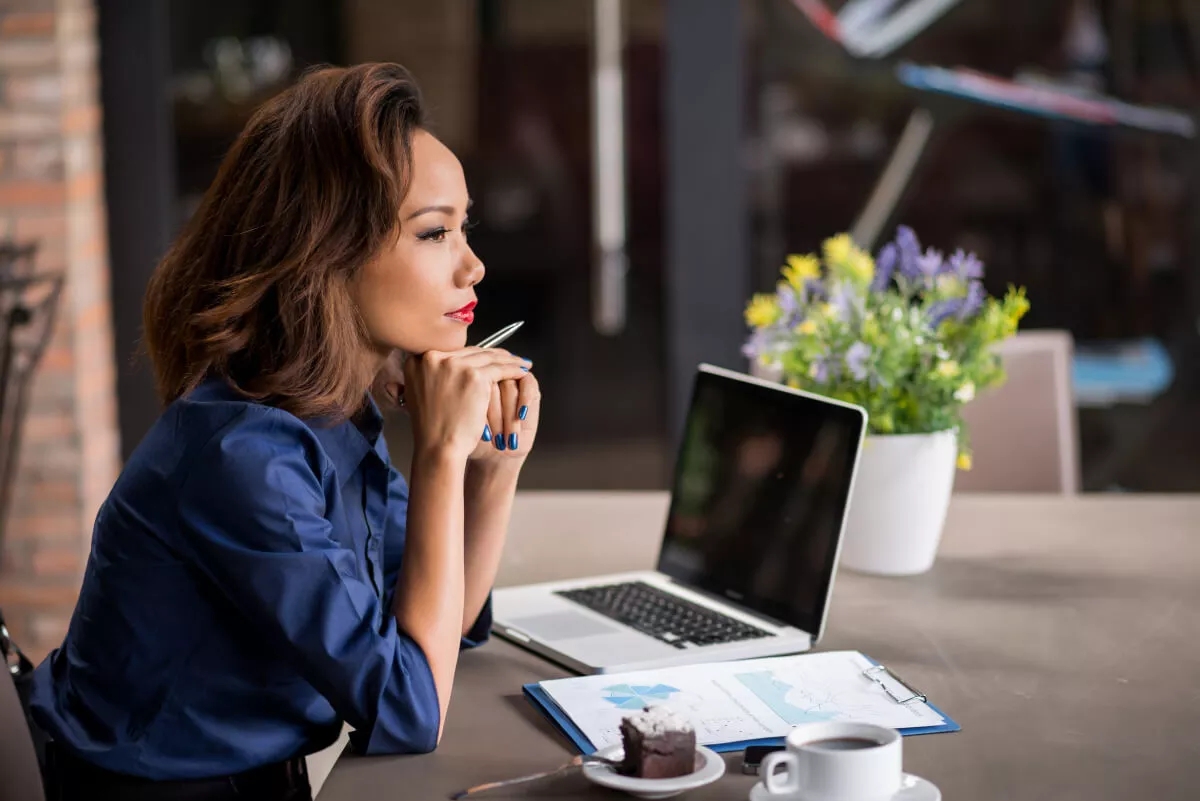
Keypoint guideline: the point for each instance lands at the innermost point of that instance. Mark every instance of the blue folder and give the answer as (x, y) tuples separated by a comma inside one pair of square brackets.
[(542, 700)]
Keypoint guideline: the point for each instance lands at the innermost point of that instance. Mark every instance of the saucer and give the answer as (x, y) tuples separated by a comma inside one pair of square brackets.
[(710, 768), (912, 788)]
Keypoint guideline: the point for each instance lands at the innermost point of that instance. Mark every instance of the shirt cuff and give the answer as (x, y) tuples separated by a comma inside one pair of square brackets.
[(409, 715), (481, 629)]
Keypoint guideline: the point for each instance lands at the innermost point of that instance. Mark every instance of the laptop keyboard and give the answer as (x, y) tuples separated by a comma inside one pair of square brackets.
[(662, 615)]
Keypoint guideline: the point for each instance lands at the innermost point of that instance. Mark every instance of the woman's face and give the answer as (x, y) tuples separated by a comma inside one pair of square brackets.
[(418, 294)]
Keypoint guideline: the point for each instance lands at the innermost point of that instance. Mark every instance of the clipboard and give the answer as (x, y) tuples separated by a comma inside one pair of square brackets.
[(900, 691)]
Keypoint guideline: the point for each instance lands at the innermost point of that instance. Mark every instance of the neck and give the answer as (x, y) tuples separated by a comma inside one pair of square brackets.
[(386, 367)]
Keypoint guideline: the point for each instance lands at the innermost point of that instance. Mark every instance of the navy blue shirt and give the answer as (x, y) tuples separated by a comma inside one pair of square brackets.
[(236, 605)]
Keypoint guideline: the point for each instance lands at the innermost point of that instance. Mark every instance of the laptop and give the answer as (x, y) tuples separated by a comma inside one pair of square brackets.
[(762, 484)]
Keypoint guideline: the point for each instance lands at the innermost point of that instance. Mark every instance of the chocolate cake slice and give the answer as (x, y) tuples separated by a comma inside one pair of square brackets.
[(659, 744)]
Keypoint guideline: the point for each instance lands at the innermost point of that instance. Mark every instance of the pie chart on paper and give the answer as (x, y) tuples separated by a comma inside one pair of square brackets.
[(637, 696)]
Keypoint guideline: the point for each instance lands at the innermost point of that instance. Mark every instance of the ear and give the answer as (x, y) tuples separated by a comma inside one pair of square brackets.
[(389, 382)]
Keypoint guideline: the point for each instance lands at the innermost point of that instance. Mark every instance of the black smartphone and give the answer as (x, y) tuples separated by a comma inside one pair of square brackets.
[(754, 756)]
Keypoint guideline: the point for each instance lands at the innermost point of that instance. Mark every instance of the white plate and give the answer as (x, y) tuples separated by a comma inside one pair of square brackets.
[(912, 788), (711, 768)]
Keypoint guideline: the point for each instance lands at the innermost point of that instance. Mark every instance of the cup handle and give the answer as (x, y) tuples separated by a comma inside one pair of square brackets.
[(791, 776)]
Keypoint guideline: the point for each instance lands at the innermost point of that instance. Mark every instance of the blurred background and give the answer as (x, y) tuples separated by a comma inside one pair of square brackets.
[(639, 168)]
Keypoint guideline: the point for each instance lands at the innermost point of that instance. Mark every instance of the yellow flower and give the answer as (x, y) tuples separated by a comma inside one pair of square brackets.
[(807, 328), (838, 249), (947, 369), (800, 269), (861, 267), (794, 383), (762, 311), (1015, 307), (964, 461), (848, 260)]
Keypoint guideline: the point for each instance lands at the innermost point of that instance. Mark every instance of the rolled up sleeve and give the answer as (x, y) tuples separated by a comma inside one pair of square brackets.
[(254, 506), (481, 629)]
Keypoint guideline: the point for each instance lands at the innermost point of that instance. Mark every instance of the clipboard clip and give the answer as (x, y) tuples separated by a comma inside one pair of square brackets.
[(887, 680)]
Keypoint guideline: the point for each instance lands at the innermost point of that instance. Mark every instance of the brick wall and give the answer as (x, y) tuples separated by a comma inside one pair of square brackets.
[(51, 190)]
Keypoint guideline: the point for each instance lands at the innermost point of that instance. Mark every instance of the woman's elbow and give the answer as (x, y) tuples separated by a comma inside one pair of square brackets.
[(418, 730), (421, 740)]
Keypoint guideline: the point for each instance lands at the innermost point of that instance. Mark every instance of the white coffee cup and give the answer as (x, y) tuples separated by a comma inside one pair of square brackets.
[(835, 761)]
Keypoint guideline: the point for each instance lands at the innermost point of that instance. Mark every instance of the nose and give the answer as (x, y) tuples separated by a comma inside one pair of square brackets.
[(472, 271)]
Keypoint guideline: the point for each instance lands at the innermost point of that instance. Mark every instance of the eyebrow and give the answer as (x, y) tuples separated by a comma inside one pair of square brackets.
[(448, 210)]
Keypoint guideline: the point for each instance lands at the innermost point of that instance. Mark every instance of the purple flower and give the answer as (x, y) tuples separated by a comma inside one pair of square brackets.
[(823, 370), (930, 264), (760, 342), (788, 303), (845, 302), (856, 360), (885, 264), (910, 251), (973, 302), (842, 303), (943, 310), (815, 290), (966, 266)]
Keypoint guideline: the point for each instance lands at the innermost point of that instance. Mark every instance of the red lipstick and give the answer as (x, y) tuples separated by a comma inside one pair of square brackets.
[(465, 315)]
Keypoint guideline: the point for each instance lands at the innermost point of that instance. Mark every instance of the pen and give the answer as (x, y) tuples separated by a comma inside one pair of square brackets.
[(501, 335), (490, 342)]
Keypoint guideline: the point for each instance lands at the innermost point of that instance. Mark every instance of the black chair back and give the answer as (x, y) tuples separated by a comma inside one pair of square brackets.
[(20, 770)]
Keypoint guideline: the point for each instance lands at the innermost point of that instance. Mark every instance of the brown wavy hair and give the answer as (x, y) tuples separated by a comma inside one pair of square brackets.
[(256, 290)]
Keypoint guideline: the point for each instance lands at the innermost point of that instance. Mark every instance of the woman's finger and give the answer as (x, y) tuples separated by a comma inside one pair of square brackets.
[(529, 401), (508, 401), (496, 373), (494, 430), (479, 358)]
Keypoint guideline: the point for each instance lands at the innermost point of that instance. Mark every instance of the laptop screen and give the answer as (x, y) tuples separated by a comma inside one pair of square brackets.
[(760, 494)]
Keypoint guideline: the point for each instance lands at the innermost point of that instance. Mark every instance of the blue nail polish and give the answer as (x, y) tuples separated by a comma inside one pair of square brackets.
[(523, 412), (499, 442), (487, 433), (512, 442)]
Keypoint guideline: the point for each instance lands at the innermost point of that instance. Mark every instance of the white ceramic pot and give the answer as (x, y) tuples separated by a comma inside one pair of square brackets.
[(899, 503)]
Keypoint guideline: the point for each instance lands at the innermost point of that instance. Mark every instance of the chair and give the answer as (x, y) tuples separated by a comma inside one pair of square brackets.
[(1024, 435), (20, 776), (320, 764)]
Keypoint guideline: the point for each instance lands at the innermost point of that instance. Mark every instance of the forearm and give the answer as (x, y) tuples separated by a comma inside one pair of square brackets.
[(429, 588), (488, 505)]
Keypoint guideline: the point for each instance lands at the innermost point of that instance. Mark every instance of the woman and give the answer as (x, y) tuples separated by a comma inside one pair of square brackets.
[(260, 573)]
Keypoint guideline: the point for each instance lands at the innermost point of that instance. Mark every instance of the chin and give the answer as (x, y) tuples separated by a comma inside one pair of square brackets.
[(446, 340), (455, 338), (447, 335)]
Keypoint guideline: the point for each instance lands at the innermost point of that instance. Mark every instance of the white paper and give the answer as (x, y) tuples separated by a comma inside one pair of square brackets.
[(731, 702)]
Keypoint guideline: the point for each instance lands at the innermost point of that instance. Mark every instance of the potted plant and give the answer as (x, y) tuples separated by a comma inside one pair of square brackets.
[(908, 336)]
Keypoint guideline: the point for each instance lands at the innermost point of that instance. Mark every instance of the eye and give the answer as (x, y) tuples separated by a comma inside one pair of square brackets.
[(433, 235)]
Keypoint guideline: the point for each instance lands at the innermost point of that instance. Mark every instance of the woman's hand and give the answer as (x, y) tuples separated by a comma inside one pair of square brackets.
[(512, 421), (448, 394)]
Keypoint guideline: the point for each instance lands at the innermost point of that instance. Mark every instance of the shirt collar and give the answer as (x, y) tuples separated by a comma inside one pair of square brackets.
[(347, 442)]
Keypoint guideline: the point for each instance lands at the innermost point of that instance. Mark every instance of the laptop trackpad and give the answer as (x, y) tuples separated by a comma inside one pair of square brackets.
[(563, 626)]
